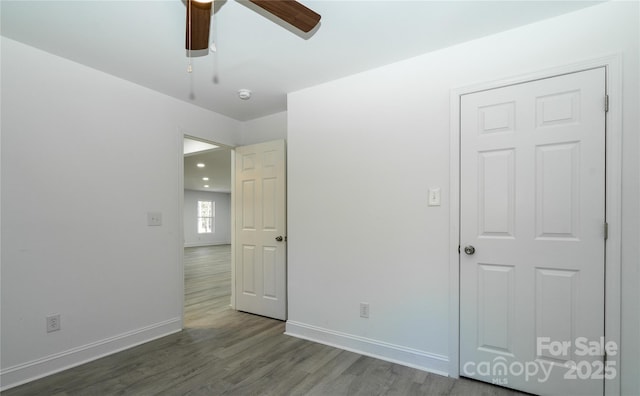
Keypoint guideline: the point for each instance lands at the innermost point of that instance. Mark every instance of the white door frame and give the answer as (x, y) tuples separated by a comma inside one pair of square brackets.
[(233, 229), (613, 154)]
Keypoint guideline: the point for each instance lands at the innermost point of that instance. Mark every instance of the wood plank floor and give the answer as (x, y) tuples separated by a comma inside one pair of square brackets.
[(223, 352)]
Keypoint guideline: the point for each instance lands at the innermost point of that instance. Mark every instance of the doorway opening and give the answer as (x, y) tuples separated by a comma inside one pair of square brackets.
[(207, 229)]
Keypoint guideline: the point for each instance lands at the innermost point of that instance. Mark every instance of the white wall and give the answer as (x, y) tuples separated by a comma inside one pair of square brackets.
[(85, 156), (222, 220), (264, 129), (362, 153)]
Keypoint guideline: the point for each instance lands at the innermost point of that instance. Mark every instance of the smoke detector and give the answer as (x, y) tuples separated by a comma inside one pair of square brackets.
[(244, 94)]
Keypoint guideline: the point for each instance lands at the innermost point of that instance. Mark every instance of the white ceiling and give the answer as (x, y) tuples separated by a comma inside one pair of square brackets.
[(143, 41)]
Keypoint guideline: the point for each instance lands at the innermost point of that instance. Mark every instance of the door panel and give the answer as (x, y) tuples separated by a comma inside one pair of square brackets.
[(260, 219), (248, 265), (496, 287), (496, 193), (557, 190), (532, 204)]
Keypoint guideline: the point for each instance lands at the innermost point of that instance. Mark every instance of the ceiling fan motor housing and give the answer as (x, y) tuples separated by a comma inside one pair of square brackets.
[(198, 22)]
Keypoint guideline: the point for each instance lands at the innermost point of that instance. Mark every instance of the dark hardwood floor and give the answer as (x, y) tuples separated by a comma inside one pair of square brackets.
[(224, 352)]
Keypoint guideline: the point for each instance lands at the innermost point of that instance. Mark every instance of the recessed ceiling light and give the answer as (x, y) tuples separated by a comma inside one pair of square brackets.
[(206, 186), (200, 165), (205, 178)]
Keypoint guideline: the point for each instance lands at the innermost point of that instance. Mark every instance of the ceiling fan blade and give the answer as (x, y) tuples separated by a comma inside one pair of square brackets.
[(292, 12), (198, 22)]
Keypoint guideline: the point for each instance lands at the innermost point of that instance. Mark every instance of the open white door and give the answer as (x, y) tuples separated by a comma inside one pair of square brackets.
[(260, 216), (533, 235)]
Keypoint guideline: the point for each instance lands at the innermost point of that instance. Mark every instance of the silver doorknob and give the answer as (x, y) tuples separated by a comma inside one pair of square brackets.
[(279, 238), (469, 250)]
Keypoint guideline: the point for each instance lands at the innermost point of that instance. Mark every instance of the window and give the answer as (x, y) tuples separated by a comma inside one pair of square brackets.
[(206, 214)]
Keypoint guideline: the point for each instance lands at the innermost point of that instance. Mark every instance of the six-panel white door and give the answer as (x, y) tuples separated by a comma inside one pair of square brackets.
[(260, 224), (533, 207)]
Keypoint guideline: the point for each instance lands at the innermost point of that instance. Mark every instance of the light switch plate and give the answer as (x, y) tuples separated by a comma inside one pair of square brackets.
[(434, 197), (154, 219)]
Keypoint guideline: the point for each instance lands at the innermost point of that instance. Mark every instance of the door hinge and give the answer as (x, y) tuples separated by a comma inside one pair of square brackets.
[(458, 249), (606, 103), (606, 231)]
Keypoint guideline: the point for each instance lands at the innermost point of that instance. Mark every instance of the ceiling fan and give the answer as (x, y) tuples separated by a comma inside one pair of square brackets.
[(199, 17)]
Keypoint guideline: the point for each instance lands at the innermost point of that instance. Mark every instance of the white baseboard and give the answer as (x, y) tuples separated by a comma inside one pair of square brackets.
[(198, 244), (433, 363), (35, 369)]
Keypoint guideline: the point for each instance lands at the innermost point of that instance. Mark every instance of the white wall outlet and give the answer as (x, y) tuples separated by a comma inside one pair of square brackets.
[(154, 219), (364, 310), (53, 323), (434, 196)]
